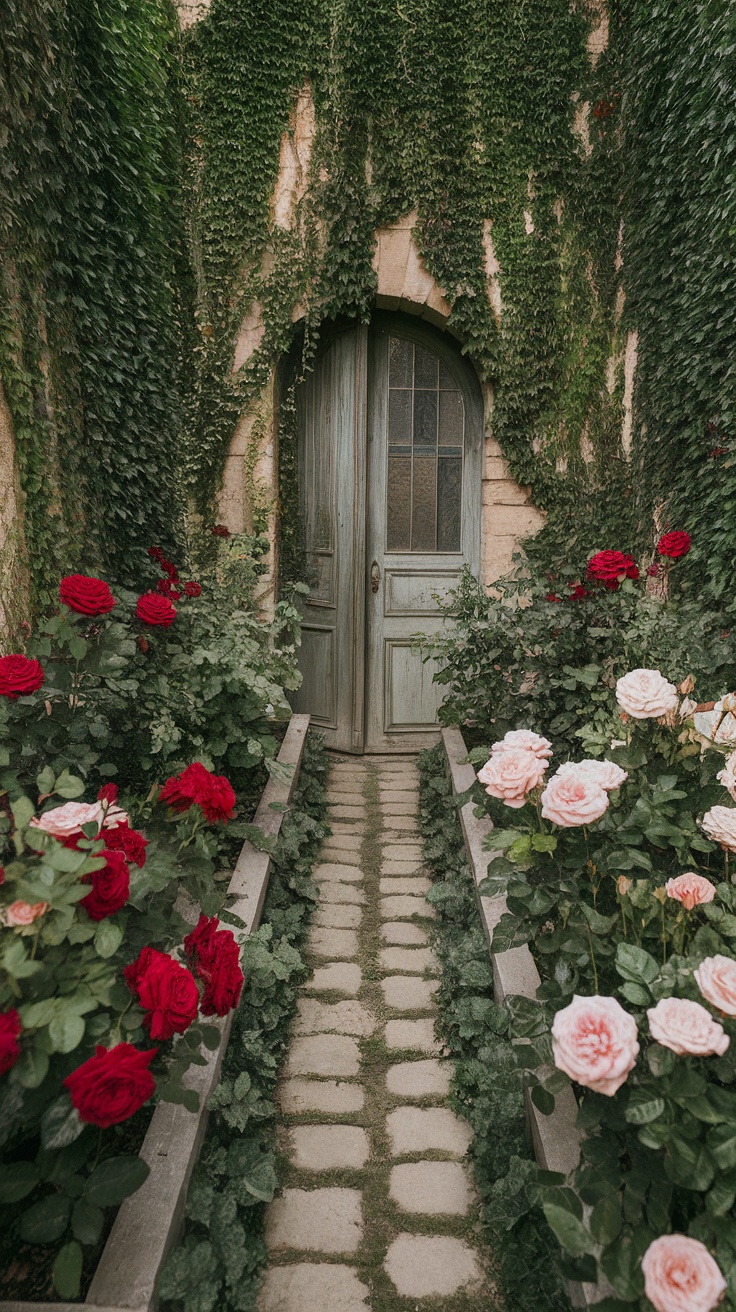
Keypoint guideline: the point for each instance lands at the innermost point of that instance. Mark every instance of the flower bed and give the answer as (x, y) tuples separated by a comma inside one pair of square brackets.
[(80, 1184), (616, 872)]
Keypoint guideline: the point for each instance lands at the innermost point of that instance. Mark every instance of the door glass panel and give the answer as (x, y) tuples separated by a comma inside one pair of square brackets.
[(426, 434)]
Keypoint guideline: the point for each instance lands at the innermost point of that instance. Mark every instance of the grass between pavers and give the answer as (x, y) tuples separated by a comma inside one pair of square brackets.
[(383, 1220)]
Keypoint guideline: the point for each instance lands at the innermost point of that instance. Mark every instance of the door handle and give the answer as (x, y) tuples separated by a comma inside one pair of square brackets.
[(375, 576)]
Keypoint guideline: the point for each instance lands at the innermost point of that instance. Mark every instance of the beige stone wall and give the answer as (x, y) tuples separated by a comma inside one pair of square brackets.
[(14, 583)]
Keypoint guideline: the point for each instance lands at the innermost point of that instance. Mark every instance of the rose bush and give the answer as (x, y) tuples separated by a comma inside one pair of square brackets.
[(628, 906)]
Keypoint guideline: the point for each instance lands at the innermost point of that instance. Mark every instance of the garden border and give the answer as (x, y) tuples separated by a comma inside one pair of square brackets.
[(148, 1223), (556, 1137)]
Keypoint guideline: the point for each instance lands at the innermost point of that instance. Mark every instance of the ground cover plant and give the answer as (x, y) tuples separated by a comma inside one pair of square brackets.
[(487, 1084), (218, 1262)]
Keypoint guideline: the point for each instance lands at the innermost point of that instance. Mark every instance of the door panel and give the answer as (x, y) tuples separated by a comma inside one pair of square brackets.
[(331, 407)]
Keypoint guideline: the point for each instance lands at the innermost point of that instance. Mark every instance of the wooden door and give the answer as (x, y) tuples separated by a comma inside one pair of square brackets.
[(331, 406), (424, 502)]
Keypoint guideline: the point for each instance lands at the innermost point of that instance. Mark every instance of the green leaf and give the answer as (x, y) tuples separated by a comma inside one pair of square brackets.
[(66, 1032), (60, 1124), (17, 1180), (643, 1106), (31, 1067), (69, 785), (571, 1233), (77, 648), (634, 964), (721, 1142), (662, 1061), (116, 1179), (46, 1221), (108, 938), (544, 843), (45, 780), (501, 839), (68, 1270), (23, 811), (87, 1221), (543, 1100), (606, 1221), (636, 994)]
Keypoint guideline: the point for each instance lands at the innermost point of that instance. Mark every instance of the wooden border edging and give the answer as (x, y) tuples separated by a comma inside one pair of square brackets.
[(556, 1137), (148, 1223)]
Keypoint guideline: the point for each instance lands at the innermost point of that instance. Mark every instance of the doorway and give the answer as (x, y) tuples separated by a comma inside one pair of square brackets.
[(389, 450)]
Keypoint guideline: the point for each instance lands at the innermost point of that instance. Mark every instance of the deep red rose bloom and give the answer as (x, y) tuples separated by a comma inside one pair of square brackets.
[(19, 676), (164, 587), (611, 568), (86, 595), (221, 531), (197, 786), (578, 592), (110, 885), (653, 571), (193, 589), (167, 992), (113, 1085), (716, 452), (552, 596), (108, 793), (156, 553), (129, 841), (155, 610), (169, 568), (674, 545), (215, 956), (2, 874), (10, 1028)]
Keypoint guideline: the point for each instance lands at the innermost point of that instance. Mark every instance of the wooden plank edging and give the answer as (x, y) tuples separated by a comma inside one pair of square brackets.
[(148, 1223), (556, 1137)]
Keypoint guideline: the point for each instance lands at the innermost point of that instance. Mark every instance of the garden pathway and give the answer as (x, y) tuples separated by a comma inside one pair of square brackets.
[(377, 1209)]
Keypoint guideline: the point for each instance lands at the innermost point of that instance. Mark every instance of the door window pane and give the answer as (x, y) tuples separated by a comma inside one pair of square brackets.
[(426, 434)]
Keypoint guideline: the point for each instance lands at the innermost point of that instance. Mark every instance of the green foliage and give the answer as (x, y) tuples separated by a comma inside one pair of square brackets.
[(92, 281), (218, 1261), (487, 1085)]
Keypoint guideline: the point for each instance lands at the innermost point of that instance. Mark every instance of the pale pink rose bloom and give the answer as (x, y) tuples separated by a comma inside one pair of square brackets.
[(727, 776), (646, 694), (531, 742), (24, 913), (716, 979), (69, 818), (511, 775), (594, 1042), (114, 816), (687, 1028), (606, 774), (681, 1276), (573, 798), (720, 824), (690, 889)]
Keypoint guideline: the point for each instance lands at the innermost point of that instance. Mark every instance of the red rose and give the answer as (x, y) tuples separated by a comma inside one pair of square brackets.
[(221, 531), (167, 992), (108, 793), (193, 589), (215, 956), (578, 592), (110, 885), (552, 596), (169, 568), (155, 610), (653, 571), (128, 841), (112, 1085), (2, 874), (10, 1028), (19, 676), (197, 786), (611, 568), (164, 587), (156, 553), (85, 594), (674, 545)]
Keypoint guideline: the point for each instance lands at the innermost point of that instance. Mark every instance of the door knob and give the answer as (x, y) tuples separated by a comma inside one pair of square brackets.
[(375, 576)]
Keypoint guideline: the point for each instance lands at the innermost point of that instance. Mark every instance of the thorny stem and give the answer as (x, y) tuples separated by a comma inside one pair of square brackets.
[(592, 959), (664, 938)]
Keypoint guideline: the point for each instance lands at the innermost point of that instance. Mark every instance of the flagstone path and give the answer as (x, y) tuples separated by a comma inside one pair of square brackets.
[(377, 1209)]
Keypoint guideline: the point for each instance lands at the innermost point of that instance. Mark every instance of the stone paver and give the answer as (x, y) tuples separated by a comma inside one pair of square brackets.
[(315, 1220), (332, 1148), (334, 1107), (407, 993), (419, 1079), (313, 1287), (426, 1266), (431, 1188), (323, 1054), (427, 1129)]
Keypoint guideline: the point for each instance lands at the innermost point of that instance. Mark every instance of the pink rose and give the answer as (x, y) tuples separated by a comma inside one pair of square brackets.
[(23, 913), (690, 889), (606, 774), (573, 798), (526, 739), (114, 816), (594, 1042), (687, 1028), (512, 774), (63, 821), (727, 776), (646, 694), (716, 979), (681, 1276), (720, 824)]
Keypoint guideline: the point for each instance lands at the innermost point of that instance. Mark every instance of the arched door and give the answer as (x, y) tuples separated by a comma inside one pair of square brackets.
[(390, 444)]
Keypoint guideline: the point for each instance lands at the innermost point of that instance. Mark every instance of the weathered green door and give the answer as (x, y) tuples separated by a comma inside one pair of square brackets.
[(390, 439)]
